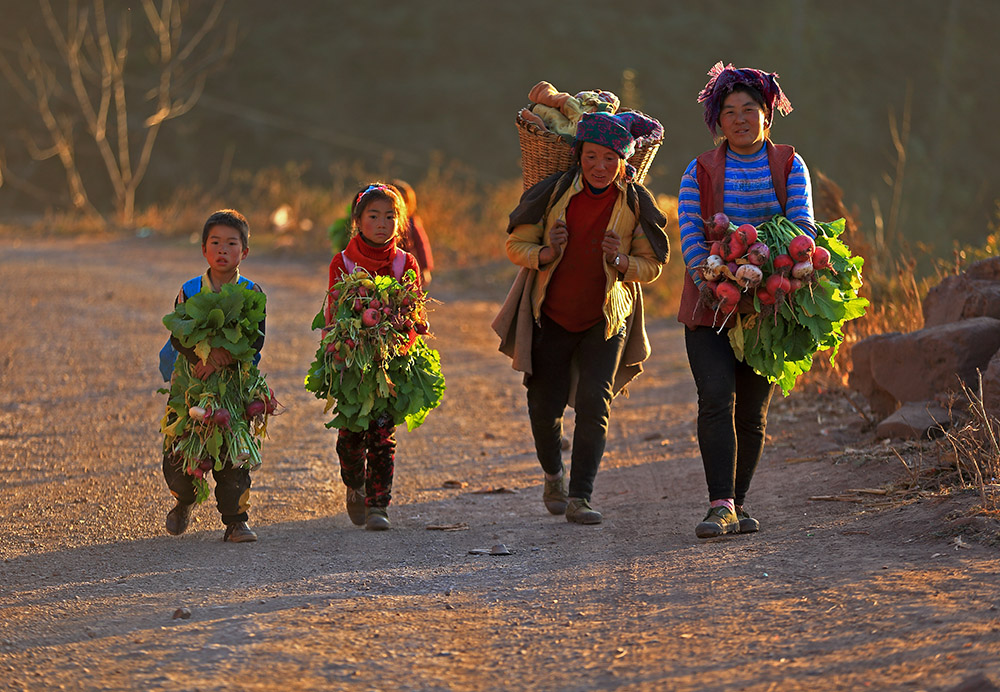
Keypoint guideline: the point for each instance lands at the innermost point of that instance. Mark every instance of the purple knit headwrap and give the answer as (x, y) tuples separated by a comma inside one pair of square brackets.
[(721, 82)]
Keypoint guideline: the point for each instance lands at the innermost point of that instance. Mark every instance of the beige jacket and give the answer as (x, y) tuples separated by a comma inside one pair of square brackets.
[(525, 242)]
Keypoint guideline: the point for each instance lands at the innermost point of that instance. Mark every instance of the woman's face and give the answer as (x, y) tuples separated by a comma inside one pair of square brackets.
[(743, 123), (378, 222), (599, 164)]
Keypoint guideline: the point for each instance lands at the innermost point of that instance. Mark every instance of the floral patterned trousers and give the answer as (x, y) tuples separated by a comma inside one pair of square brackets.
[(377, 447)]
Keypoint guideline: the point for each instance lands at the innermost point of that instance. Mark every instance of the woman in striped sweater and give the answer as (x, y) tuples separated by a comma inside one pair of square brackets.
[(750, 179)]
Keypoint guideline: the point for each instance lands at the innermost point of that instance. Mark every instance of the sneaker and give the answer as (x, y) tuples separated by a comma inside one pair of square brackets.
[(239, 532), (747, 523), (579, 511), (554, 495), (718, 521), (377, 519), (356, 505), (178, 518)]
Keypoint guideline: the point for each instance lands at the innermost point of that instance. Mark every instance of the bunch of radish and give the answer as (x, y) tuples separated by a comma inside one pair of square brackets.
[(742, 261), (372, 318)]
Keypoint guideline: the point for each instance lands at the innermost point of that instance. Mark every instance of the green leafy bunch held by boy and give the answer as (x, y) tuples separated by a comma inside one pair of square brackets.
[(218, 402), (372, 366)]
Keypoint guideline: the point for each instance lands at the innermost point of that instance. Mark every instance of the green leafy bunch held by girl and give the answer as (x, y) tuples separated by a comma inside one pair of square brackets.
[(372, 366)]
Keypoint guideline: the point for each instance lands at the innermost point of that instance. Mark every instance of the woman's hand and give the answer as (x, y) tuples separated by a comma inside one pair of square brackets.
[(611, 246), (558, 237)]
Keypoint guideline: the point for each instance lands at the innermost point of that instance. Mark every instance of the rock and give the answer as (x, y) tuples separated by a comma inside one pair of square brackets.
[(915, 421), (991, 386), (182, 613), (961, 298), (890, 369), (976, 683)]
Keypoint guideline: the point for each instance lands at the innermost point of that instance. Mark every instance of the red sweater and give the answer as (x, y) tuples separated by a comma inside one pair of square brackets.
[(377, 260), (574, 298)]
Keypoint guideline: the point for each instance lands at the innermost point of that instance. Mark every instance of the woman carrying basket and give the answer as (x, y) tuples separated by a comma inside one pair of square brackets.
[(750, 179), (585, 238)]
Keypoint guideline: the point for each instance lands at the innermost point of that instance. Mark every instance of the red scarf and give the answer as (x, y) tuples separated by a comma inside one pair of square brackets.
[(377, 260)]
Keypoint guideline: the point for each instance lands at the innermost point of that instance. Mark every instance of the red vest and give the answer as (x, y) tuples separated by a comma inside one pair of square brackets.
[(711, 169)]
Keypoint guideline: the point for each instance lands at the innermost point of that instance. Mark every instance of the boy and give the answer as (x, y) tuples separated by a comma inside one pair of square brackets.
[(224, 244)]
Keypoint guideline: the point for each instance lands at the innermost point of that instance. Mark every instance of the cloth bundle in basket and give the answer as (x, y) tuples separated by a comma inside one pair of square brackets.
[(544, 152)]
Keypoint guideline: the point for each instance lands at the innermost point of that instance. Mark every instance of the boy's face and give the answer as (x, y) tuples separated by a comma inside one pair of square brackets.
[(224, 249)]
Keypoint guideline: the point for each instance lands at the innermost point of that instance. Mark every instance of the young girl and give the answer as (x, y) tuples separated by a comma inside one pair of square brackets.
[(378, 218)]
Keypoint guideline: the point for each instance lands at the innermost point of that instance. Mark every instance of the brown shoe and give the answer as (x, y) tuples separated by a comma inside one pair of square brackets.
[(178, 518), (718, 521), (377, 519), (239, 532), (355, 501), (579, 511), (554, 495)]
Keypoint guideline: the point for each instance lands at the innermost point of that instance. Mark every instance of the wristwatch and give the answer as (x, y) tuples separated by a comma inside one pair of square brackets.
[(618, 259)]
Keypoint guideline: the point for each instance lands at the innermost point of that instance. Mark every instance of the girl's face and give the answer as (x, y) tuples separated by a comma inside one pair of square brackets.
[(224, 249), (378, 222), (743, 123), (599, 164)]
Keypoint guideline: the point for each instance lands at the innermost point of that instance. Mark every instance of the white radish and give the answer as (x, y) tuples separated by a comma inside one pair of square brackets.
[(802, 270), (713, 267), (749, 275)]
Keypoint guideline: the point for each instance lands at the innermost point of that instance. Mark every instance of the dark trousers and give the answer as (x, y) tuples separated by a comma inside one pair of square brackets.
[(732, 413), (377, 447), (553, 352), (232, 488)]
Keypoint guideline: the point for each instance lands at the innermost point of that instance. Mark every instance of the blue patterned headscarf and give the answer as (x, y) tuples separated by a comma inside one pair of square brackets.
[(617, 132), (721, 81)]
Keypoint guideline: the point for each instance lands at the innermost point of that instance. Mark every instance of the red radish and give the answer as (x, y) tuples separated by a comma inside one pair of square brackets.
[(794, 285), (764, 297), (749, 275), (758, 254), (332, 347), (821, 258), (197, 472), (375, 303), (370, 317), (272, 403), (748, 233), (802, 270), (256, 408), (420, 328), (205, 465), (363, 292), (717, 227), (729, 295), (716, 248), (335, 294), (777, 285), (801, 248), (358, 306), (350, 342), (221, 417), (783, 264), (734, 247), (386, 311)]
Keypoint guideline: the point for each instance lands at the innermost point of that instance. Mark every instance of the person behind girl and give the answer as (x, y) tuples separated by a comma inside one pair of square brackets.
[(414, 239), (225, 242), (750, 179), (367, 459)]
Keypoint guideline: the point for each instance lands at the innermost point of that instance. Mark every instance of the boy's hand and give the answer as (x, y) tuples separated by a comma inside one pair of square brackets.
[(202, 370), (220, 358)]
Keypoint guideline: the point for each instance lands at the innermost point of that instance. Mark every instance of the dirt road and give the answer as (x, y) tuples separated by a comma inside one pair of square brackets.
[(828, 596)]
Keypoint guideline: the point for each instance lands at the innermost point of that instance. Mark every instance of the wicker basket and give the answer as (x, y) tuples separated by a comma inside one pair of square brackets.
[(544, 153)]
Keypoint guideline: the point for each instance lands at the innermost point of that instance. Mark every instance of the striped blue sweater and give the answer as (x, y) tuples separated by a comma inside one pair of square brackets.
[(749, 198)]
